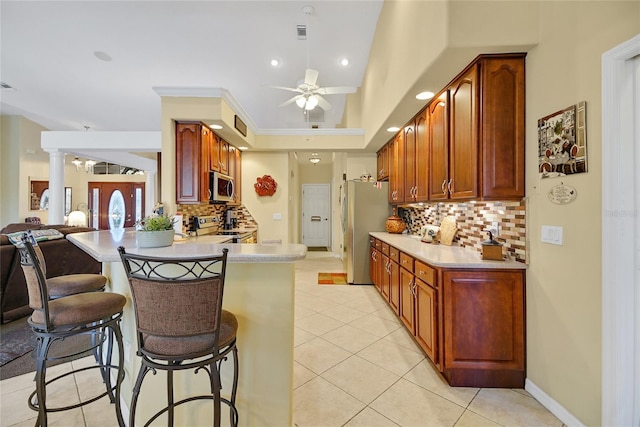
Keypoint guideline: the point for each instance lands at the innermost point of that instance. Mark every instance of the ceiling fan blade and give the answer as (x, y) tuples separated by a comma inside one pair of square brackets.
[(323, 103), (292, 89), (310, 77), (335, 90), (291, 100)]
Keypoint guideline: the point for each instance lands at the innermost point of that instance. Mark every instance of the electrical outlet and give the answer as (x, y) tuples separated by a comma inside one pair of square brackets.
[(127, 350), (495, 228)]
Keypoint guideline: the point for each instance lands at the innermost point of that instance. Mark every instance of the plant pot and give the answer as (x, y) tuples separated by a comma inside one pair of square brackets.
[(154, 239)]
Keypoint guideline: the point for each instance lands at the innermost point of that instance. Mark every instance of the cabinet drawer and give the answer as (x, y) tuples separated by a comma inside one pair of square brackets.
[(406, 261), (394, 254), (385, 248), (425, 273), (378, 244)]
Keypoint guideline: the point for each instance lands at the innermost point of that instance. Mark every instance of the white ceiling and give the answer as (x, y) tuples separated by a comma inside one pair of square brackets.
[(48, 57)]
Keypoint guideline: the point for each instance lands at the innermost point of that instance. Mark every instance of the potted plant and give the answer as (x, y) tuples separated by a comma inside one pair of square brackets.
[(155, 231)]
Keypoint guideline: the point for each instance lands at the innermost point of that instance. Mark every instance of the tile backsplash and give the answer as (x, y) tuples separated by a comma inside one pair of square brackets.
[(188, 211), (473, 219)]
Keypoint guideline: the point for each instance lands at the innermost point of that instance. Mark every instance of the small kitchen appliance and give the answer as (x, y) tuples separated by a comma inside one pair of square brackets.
[(491, 249)]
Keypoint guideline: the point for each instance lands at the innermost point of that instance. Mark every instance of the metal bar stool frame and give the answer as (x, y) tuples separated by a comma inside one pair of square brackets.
[(103, 331), (199, 272)]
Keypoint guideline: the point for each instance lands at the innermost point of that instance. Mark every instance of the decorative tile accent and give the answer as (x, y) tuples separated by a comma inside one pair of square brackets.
[(472, 221)]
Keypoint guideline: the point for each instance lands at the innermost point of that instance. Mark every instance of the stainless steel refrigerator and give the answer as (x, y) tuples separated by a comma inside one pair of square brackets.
[(365, 208)]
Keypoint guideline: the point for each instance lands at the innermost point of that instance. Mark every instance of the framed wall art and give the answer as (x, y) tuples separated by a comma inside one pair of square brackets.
[(562, 142)]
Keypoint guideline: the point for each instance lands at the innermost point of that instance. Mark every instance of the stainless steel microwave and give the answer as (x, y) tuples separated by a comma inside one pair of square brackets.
[(221, 186)]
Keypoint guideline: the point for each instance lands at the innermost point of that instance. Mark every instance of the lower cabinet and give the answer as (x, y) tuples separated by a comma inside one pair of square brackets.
[(484, 328), (470, 323)]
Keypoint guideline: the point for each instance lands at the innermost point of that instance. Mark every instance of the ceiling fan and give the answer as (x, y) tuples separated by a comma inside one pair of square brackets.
[(310, 94)]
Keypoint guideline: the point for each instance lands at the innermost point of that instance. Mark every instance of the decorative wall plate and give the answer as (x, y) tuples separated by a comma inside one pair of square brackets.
[(562, 194), (265, 186)]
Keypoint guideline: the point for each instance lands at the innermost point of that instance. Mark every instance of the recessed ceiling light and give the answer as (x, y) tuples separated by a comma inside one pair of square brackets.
[(275, 63), (215, 127), (344, 62), (424, 95), (103, 56), (393, 129), (243, 148)]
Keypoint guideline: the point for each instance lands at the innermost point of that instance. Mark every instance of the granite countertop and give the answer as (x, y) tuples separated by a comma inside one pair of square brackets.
[(103, 246), (442, 255)]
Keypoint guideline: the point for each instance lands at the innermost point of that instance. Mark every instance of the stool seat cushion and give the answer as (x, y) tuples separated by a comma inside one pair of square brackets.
[(81, 309), (71, 284), (179, 346)]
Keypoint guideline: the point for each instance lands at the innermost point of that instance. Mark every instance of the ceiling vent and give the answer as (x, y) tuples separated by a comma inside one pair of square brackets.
[(315, 116), (302, 32)]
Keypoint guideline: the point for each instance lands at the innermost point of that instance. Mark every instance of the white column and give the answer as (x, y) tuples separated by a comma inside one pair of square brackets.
[(56, 186), (150, 193)]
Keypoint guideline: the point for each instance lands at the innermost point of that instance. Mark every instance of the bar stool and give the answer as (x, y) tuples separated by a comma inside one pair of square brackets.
[(95, 313), (181, 325)]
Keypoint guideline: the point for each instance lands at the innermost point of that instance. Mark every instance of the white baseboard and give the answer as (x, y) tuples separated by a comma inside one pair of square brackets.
[(554, 407)]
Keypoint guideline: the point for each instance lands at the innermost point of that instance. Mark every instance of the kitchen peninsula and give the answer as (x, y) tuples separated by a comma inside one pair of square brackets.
[(259, 290)]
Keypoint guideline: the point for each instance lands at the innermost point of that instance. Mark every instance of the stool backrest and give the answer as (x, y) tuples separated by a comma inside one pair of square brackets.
[(32, 261), (177, 297)]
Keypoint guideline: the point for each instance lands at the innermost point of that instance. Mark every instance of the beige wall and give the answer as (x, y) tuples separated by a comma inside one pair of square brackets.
[(565, 41), (263, 208), (563, 282)]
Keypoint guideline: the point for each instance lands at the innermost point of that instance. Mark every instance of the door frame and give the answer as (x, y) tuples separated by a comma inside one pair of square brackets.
[(620, 230)]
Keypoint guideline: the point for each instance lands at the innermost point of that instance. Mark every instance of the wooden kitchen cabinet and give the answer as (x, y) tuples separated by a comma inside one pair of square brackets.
[(385, 271), (421, 192), (484, 323), (410, 177), (383, 163), (192, 157), (476, 132), (394, 279), (214, 153), (223, 157), (437, 131), (235, 172), (470, 323), (407, 300), (396, 169)]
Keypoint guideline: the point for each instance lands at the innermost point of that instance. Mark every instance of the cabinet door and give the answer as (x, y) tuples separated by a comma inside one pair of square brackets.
[(383, 163), (503, 97), (425, 321), (396, 169), (394, 287), (214, 150), (373, 268), (385, 277), (205, 155), (409, 163), (407, 299), (224, 156), (484, 324), (421, 192), (438, 148), (463, 136), (187, 162)]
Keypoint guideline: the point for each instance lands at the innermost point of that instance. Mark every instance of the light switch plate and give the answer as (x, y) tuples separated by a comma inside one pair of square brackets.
[(551, 234)]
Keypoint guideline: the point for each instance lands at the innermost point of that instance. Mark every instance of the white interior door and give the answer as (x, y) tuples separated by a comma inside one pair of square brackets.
[(316, 215)]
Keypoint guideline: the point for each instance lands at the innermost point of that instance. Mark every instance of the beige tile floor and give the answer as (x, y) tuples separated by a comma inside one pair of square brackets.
[(354, 366)]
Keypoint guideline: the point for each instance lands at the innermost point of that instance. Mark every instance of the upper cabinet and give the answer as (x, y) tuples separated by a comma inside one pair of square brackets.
[(198, 152), (192, 162), (383, 163), (468, 142)]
